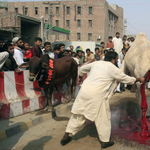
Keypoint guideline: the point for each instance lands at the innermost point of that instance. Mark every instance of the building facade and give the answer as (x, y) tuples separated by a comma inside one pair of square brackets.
[(87, 20)]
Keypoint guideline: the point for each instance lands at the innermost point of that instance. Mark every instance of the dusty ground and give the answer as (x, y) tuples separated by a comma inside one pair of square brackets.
[(47, 135)]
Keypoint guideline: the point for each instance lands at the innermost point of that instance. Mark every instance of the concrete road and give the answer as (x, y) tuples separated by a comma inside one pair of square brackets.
[(47, 136)]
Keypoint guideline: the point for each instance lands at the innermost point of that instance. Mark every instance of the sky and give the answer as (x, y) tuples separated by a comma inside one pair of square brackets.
[(137, 13)]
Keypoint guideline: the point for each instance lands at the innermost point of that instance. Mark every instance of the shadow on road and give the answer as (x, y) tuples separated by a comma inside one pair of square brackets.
[(37, 144), (88, 130), (61, 118), (10, 128)]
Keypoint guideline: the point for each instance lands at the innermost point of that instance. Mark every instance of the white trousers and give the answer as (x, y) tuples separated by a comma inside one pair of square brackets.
[(118, 88), (3, 58), (103, 125)]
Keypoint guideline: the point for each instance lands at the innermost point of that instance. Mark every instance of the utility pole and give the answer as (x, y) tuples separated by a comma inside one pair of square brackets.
[(50, 18)]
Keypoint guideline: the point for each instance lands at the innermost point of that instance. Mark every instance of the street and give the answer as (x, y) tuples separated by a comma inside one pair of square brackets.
[(47, 135)]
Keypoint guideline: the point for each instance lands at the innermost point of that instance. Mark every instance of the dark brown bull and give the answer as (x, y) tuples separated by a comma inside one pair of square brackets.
[(65, 69)]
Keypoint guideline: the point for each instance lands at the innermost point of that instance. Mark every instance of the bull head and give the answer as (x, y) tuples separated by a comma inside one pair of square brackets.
[(34, 66)]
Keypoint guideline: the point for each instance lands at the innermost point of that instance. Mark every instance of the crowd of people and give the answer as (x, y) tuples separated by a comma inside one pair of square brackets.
[(16, 52)]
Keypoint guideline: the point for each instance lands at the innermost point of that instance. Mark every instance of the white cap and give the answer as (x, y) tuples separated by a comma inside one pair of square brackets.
[(68, 48), (15, 39)]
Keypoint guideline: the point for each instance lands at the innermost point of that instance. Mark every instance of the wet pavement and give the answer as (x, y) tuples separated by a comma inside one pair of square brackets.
[(127, 123)]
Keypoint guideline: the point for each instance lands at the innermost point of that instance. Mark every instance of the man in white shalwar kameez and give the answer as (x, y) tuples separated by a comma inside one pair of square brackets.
[(92, 102), (118, 43)]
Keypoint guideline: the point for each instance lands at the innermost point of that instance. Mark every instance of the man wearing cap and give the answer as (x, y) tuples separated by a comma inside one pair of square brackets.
[(18, 54)]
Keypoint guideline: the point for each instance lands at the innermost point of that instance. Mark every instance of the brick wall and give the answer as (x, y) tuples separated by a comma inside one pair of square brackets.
[(99, 17)]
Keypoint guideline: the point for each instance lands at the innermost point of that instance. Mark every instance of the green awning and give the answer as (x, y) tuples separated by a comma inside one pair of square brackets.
[(3, 4), (56, 29)]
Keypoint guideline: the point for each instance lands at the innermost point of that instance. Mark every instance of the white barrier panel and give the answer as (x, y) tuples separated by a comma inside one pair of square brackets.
[(18, 95)]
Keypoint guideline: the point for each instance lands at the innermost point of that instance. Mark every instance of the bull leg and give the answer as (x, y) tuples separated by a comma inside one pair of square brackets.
[(50, 107), (69, 90), (73, 89), (46, 95)]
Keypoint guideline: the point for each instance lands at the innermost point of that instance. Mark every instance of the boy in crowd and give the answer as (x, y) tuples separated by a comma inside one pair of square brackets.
[(83, 54), (102, 48), (62, 48), (26, 52), (97, 56), (81, 58), (47, 50), (18, 54), (71, 48), (122, 55), (111, 50), (1, 44), (89, 57), (36, 50), (3, 55), (56, 51), (76, 58), (105, 52), (110, 44), (73, 54), (10, 63), (125, 45), (125, 38)]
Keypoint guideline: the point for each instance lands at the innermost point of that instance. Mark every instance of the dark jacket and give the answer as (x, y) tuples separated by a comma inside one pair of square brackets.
[(36, 51)]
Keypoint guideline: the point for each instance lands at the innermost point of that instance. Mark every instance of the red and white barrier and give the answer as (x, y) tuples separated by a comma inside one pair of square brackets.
[(17, 99)]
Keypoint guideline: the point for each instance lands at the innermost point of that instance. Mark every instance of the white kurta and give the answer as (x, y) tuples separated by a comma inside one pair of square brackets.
[(97, 88), (51, 55), (92, 102), (118, 44), (18, 56)]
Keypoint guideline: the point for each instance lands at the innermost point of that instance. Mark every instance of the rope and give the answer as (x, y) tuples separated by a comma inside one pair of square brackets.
[(15, 81)]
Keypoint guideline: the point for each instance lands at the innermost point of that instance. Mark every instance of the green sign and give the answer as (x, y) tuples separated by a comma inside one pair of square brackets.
[(57, 29), (3, 4)]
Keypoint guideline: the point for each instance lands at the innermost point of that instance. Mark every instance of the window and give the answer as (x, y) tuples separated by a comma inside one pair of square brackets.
[(67, 37), (115, 19), (6, 9), (68, 23), (46, 21), (57, 37), (57, 23), (57, 10), (90, 23), (16, 10), (109, 27), (78, 36), (79, 10), (90, 36), (36, 10), (78, 23), (26, 11), (90, 10), (68, 10), (46, 10)]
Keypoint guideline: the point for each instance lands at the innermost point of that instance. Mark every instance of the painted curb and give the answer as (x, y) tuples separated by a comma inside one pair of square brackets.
[(27, 125)]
